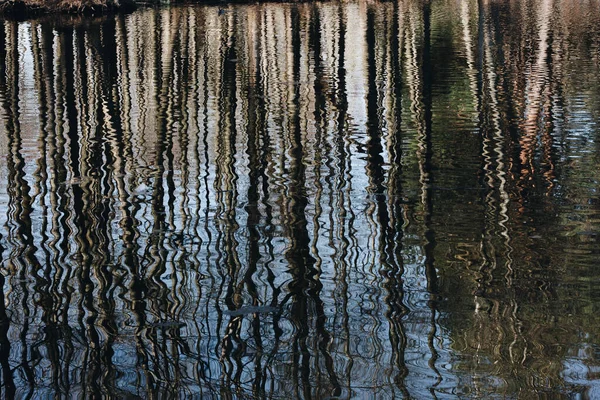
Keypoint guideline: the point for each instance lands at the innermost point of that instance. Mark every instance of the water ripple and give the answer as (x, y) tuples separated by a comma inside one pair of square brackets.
[(392, 199)]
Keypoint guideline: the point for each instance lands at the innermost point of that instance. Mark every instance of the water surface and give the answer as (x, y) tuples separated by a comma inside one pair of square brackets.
[(326, 200)]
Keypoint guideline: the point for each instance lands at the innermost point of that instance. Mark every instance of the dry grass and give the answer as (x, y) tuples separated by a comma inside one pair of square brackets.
[(28, 8)]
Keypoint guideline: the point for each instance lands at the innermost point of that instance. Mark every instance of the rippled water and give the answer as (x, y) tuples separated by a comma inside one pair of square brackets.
[(358, 199)]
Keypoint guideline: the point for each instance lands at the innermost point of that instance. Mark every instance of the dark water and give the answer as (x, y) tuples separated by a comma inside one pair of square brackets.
[(358, 199)]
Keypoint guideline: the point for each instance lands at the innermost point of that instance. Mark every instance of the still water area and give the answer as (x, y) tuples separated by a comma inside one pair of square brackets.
[(352, 199)]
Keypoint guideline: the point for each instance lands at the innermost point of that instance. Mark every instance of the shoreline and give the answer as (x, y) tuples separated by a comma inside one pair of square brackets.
[(26, 9), (29, 9)]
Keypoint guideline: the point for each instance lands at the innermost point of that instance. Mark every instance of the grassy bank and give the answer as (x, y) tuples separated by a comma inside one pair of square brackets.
[(30, 8)]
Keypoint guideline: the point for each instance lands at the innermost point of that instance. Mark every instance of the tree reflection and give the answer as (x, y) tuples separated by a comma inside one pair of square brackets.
[(304, 200)]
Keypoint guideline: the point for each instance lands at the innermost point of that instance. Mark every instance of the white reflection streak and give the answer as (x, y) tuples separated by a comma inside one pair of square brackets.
[(537, 79), (471, 71)]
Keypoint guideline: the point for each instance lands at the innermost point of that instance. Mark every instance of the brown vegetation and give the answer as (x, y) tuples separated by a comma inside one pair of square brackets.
[(27, 8)]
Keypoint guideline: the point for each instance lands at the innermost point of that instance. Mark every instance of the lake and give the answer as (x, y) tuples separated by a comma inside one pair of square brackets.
[(354, 199)]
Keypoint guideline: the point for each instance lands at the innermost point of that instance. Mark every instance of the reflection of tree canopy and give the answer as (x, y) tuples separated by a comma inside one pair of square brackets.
[(307, 200)]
